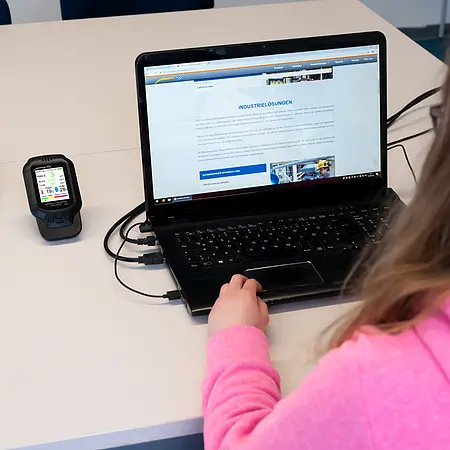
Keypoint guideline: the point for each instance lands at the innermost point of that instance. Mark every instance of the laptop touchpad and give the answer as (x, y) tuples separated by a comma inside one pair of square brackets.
[(285, 276)]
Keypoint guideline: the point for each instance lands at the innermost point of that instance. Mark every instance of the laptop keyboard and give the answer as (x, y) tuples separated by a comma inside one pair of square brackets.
[(340, 229)]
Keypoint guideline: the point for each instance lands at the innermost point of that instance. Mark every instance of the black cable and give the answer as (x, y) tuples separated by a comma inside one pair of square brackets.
[(148, 240), (116, 268), (408, 138), (123, 228), (170, 295), (405, 154), (411, 104), (133, 213)]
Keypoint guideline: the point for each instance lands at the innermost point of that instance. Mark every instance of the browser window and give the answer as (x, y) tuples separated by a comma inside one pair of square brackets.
[(234, 124)]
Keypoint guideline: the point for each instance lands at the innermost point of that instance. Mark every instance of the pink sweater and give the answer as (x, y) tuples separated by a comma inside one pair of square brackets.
[(375, 392)]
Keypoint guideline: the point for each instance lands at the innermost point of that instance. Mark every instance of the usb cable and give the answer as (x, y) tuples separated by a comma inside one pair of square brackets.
[(147, 259)]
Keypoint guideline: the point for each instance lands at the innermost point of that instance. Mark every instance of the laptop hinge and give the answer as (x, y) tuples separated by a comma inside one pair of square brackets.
[(196, 216)]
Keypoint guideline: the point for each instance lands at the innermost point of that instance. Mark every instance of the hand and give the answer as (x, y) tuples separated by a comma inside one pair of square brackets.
[(238, 304)]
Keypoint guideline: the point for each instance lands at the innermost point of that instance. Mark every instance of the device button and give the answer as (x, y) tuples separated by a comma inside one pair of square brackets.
[(58, 216), (50, 219)]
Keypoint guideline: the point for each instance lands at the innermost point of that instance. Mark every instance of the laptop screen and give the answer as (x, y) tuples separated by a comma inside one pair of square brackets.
[(230, 125)]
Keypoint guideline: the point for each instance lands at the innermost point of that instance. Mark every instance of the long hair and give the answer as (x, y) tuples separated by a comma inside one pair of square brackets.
[(407, 277)]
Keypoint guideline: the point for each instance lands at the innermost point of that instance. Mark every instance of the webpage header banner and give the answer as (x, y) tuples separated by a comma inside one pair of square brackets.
[(204, 75)]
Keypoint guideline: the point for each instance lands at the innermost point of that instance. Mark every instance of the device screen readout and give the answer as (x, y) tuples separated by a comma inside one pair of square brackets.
[(52, 185)]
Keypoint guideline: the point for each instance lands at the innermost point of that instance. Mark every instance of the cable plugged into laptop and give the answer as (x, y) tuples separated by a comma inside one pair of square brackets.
[(147, 259), (173, 295), (150, 241), (145, 227), (151, 259)]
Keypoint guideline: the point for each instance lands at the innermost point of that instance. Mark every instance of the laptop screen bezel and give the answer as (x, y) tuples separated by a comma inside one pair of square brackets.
[(259, 198)]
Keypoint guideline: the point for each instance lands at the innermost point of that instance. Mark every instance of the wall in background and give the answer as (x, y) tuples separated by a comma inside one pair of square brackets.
[(408, 13), (24, 11), (401, 13)]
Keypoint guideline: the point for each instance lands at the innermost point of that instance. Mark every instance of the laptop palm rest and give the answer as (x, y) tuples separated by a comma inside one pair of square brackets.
[(285, 276)]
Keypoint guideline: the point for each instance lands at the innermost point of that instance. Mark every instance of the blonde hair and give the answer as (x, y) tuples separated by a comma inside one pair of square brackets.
[(407, 278)]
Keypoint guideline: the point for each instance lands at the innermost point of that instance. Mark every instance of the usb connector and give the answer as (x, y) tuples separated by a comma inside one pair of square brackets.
[(151, 259), (173, 295), (149, 241)]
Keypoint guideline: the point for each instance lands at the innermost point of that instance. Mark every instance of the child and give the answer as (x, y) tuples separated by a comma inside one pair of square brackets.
[(385, 383)]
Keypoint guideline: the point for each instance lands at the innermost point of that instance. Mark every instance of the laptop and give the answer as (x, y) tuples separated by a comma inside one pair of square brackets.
[(267, 159)]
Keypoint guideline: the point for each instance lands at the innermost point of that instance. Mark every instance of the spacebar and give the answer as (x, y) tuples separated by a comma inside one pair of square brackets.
[(272, 255)]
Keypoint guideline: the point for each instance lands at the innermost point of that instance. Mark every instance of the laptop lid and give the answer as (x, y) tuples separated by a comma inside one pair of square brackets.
[(281, 123)]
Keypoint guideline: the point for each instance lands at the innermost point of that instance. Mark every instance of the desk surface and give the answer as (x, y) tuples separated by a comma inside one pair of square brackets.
[(84, 364), (69, 86)]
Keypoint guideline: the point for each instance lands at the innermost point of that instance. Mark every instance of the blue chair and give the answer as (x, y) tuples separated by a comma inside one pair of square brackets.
[(86, 9), (5, 14)]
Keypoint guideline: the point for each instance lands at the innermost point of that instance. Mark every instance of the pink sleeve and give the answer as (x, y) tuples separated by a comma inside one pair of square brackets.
[(243, 409)]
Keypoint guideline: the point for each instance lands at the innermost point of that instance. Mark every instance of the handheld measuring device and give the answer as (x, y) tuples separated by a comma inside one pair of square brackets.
[(54, 196)]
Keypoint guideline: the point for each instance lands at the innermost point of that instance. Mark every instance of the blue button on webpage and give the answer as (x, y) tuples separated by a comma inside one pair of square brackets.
[(232, 171)]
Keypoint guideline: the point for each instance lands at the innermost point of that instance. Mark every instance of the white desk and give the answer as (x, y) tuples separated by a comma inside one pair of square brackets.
[(83, 363), (69, 86)]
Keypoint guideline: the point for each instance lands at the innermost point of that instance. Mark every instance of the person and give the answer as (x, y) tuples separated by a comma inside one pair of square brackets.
[(324, 169), (385, 382)]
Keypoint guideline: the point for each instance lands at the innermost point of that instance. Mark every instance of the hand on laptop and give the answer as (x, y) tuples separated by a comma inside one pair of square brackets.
[(239, 304)]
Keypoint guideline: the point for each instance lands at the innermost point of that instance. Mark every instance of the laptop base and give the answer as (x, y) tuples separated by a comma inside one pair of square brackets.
[(296, 270)]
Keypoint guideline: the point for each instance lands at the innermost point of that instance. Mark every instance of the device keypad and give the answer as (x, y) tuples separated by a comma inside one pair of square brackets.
[(58, 221)]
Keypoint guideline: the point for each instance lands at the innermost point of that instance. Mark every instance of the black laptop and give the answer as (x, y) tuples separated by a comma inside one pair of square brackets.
[(267, 159)]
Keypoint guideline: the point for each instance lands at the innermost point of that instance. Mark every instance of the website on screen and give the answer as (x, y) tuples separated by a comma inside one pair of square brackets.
[(235, 124)]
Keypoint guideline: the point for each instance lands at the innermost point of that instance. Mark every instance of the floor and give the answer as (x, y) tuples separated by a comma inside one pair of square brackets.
[(427, 37), (438, 47), (186, 443)]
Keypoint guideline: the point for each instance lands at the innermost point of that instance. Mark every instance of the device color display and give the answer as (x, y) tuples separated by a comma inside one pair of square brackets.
[(53, 196), (52, 184)]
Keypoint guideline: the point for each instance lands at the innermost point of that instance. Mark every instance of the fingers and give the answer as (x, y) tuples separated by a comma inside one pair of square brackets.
[(252, 285), (224, 288), (237, 281)]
